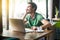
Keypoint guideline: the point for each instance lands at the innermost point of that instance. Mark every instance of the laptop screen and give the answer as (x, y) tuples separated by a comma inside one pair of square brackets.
[(16, 25)]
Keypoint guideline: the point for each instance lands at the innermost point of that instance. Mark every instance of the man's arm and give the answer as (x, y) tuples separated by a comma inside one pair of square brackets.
[(24, 18), (46, 24)]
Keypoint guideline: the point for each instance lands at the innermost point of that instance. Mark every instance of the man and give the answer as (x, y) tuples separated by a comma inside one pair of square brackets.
[(33, 18)]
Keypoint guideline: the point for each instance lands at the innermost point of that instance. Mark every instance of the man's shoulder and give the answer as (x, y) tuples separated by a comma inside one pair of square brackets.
[(38, 14)]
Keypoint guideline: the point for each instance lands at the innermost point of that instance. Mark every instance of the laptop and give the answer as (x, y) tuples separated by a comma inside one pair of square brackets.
[(16, 25)]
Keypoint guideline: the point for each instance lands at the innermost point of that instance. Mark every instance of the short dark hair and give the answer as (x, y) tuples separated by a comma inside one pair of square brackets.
[(33, 5)]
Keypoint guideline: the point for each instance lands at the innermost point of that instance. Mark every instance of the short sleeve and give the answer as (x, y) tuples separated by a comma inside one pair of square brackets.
[(40, 17)]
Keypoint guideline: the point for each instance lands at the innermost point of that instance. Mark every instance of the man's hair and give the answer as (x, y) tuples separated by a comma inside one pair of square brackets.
[(33, 5)]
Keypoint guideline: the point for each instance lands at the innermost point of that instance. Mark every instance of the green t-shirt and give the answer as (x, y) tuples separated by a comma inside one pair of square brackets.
[(34, 22)]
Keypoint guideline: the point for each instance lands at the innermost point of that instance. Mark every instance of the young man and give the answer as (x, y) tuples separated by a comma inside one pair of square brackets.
[(33, 18)]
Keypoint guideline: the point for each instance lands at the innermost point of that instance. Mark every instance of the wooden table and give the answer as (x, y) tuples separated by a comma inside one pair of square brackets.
[(46, 34)]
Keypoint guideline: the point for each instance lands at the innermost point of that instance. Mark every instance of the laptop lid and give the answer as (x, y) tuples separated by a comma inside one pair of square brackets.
[(17, 25)]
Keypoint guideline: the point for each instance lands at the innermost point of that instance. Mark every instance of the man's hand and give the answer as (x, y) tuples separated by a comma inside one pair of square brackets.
[(25, 14), (34, 28), (27, 11)]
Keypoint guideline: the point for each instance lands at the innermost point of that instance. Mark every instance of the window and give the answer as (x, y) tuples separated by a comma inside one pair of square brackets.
[(16, 9), (41, 7), (4, 15)]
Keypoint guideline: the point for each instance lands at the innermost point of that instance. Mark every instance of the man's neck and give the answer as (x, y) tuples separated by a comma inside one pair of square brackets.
[(33, 15)]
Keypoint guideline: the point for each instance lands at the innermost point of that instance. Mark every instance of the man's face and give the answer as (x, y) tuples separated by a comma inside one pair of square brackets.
[(29, 8)]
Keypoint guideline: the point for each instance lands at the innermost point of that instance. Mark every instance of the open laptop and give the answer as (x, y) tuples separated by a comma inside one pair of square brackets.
[(17, 25)]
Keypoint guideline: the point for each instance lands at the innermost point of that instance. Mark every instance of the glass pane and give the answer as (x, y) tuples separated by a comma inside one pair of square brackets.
[(17, 8), (41, 6), (4, 17)]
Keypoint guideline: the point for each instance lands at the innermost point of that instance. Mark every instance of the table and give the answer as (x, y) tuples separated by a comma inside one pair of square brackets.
[(20, 35)]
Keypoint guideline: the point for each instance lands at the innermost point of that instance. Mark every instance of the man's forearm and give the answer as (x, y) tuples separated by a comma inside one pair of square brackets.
[(24, 16), (46, 26)]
